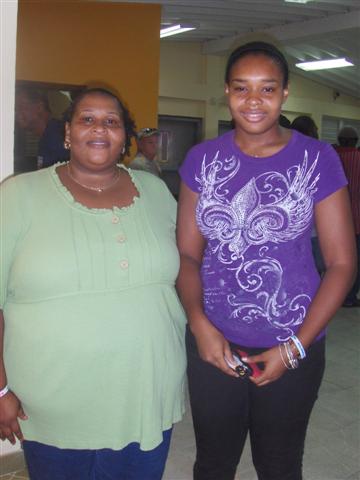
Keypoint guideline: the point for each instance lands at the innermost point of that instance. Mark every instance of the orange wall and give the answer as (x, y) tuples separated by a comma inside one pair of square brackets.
[(89, 43)]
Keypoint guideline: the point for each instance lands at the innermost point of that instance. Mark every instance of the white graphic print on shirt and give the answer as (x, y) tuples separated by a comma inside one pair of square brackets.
[(270, 209)]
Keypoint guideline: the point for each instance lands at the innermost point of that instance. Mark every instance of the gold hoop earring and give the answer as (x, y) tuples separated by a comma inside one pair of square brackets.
[(67, 145)]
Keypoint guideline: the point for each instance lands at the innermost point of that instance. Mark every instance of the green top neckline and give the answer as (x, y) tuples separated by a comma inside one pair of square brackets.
[(65, 192)]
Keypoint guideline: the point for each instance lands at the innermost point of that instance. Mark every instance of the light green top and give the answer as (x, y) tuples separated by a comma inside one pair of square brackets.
[(94, 331)]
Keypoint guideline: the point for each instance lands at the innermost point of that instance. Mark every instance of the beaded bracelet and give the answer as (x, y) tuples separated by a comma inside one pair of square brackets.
[(4, 391), (299, 346)]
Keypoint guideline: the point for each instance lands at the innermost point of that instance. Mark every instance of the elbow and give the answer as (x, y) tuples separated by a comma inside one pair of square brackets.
[(190, 260)]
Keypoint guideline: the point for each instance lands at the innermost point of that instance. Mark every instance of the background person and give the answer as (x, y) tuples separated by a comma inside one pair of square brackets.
[(350, 157), (147, 149), (305, 125), (247, 204), (284, 121), (93, 329), (32, 114)]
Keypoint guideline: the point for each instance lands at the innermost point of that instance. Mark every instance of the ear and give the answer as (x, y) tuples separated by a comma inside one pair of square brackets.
[(285, 94), (67, 132)]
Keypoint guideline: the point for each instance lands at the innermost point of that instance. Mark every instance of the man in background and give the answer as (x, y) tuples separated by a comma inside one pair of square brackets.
[(350, 157), (32, 114), (147, 149)]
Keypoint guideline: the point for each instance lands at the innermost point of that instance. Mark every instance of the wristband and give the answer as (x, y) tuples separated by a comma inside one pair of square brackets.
[(299, 346), (4, 391)]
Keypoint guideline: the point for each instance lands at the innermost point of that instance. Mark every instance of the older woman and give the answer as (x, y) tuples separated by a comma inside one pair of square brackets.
[(94, 359)]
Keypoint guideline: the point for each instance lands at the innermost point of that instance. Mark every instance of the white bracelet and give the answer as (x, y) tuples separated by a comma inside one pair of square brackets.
[(299, 347), (4, 391)]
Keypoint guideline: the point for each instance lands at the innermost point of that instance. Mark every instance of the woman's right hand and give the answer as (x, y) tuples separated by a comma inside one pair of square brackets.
[(213, 347), (10, 411)]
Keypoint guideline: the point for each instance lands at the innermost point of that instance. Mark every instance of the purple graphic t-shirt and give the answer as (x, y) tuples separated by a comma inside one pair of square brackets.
[(256, 215)]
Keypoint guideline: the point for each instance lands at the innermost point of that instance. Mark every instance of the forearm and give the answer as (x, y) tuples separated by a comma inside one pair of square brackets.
[(3, 380), (329, 297)]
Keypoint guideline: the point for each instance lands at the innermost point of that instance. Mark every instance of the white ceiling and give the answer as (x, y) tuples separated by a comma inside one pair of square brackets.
[(316, 30)]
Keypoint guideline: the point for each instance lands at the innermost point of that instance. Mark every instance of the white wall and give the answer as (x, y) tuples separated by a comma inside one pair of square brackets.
[(192, 84), (8, 20)]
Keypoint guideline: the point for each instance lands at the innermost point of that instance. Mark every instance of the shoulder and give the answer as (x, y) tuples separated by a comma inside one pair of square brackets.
[(28, 184), (303, 142), (314, 151), (138, 157), (348, 153), (22, 180), (213, 144), (157, 194), (149, 181)]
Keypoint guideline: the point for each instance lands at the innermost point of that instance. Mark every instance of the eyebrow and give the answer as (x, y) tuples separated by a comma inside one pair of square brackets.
[(93, 109), (264, 80)]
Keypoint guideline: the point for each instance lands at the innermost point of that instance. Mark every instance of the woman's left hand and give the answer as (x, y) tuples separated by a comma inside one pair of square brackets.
[(274, 366)]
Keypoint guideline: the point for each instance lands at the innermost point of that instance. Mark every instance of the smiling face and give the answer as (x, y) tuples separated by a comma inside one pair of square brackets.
[(96, 132), (255, 94)]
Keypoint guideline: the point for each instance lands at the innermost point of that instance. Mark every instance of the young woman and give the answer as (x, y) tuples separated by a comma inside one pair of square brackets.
[(247, 279), (94, 347)]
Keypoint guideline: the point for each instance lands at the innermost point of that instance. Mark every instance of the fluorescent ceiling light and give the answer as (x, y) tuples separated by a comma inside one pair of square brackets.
[(324, 64), (298, 1), (174, 30)]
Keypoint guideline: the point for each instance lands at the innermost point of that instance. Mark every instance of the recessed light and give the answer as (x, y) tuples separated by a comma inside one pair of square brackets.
[(175, 29), (324, 64)]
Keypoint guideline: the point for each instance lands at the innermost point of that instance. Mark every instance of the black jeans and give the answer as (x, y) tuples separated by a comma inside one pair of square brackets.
[(225, 409)]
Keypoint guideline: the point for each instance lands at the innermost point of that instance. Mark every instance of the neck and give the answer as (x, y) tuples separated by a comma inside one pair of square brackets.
[(97, 181), (260, 144)]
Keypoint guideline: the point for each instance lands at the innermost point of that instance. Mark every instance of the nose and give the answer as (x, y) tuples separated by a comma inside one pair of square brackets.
[(100, 126), (253, 98)]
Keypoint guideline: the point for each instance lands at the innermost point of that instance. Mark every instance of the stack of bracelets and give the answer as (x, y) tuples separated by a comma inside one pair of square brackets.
[(292, 351)]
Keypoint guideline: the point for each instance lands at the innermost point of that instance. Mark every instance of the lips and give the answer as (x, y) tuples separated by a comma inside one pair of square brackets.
[(253, 115), (98, 144)]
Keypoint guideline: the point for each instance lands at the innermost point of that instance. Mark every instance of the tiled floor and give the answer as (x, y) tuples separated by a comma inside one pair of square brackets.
[(22, 475), (333, 443)]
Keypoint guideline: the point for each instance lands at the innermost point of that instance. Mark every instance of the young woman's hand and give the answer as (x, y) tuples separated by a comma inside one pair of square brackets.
[(274, 366), (10, 411), (213, 347)]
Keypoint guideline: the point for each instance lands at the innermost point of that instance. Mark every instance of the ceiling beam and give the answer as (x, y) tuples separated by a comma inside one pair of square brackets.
[(289, 32)]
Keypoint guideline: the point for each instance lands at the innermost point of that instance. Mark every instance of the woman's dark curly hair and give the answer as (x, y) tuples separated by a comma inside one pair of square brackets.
[(129, 124)]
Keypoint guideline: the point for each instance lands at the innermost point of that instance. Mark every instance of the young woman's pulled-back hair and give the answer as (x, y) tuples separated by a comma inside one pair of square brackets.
[(258, 48)]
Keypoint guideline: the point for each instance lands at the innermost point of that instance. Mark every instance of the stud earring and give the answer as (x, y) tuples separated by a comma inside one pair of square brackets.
[(67, 145), (123, 150)]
